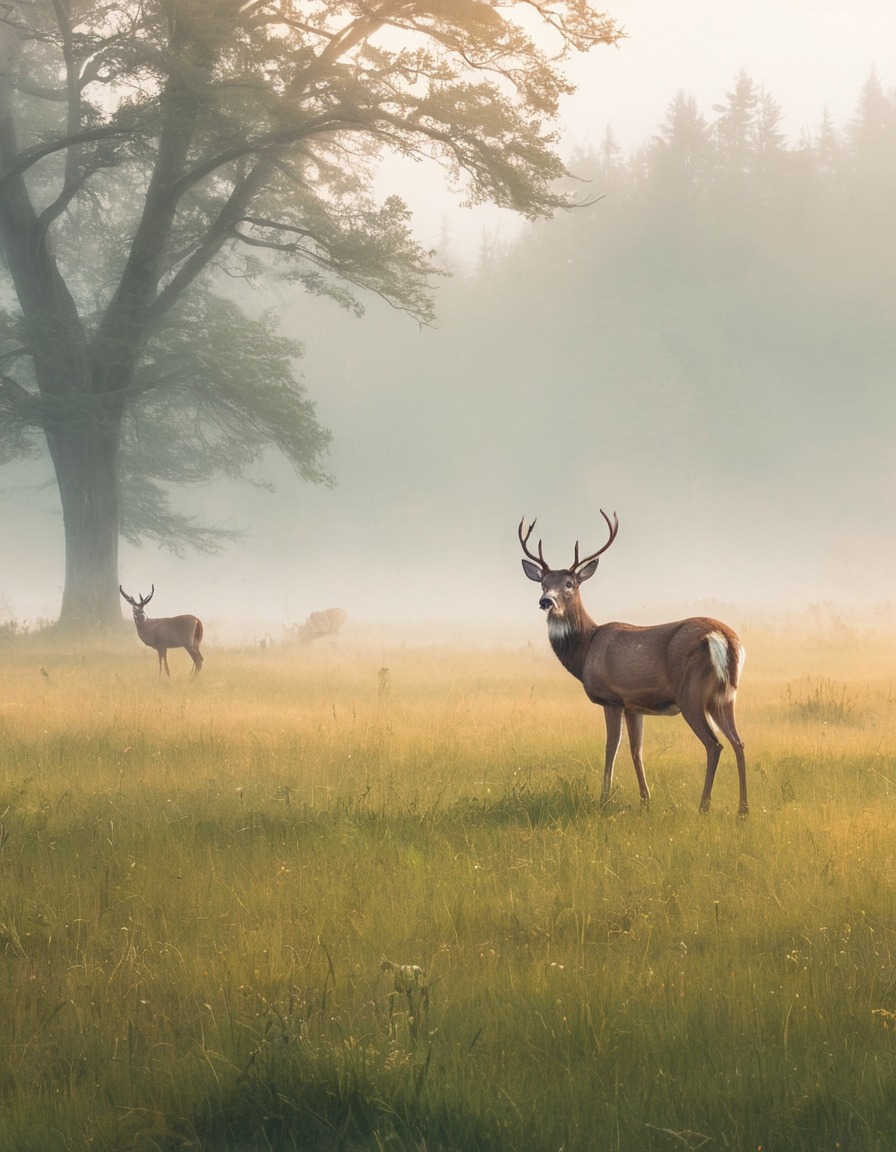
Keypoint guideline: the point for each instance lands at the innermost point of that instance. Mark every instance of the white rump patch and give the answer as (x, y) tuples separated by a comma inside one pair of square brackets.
[(718, 653)]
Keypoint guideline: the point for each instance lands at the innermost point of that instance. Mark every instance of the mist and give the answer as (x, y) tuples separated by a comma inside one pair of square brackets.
[(719, 376)]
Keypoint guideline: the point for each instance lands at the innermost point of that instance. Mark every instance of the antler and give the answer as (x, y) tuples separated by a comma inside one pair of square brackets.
[(143, 600), (539, 559), (613, 525)]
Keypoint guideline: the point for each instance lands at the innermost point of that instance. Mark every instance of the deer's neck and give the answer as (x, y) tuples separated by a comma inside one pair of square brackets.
[(570, 635), (146, 630)]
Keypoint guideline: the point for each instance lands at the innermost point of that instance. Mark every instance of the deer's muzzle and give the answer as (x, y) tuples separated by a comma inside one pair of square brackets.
[(547, 602)]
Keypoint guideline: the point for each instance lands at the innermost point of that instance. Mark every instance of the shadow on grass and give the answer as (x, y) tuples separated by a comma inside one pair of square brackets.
[(563, 800), (549, 803), (288, 1100)]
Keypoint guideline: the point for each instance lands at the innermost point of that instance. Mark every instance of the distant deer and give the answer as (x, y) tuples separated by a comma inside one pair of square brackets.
[(325, 623), (168, 632), (691, 666)]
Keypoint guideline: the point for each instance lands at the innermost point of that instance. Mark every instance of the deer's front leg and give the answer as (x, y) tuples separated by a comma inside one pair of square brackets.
[(613, 717)]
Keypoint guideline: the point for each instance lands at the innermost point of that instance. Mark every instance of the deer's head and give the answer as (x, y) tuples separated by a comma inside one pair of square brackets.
[(560, 586), (138, 605)]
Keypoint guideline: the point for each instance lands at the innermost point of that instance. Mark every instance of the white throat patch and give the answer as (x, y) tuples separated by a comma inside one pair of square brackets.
[(558, 628)]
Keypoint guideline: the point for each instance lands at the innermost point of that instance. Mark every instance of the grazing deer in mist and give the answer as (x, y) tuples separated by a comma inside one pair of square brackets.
[(167, 632), (690, 666), (325, 623)]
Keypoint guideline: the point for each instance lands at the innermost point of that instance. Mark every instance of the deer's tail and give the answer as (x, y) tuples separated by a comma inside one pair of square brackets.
[(727, 655)]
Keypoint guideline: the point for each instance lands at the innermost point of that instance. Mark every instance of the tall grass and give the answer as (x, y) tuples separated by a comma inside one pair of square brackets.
[(211, 894)]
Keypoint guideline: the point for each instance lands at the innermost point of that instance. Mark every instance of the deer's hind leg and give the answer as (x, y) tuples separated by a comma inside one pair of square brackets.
[(197, 659), (696, 715), (723, 716)]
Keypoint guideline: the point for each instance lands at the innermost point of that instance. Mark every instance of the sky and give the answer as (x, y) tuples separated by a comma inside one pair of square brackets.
[(808, 55)]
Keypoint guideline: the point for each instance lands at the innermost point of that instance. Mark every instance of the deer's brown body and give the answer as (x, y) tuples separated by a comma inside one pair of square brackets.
[(689, 666), (167, 632)]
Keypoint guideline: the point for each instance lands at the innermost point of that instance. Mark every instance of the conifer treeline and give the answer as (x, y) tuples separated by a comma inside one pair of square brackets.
[(713, 336), (727, 302)]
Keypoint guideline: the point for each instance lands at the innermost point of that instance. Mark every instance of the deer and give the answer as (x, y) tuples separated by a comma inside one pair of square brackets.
[(166, 632), (325, 623), (692, 667)]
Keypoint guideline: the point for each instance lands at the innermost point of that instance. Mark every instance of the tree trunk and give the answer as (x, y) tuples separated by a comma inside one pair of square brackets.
[(86, 464)]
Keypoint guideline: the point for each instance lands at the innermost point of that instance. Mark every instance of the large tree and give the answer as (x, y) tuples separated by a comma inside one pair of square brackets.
[(147, 145)]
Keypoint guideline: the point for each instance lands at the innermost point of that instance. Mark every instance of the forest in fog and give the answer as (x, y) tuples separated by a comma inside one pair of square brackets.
[(705, 346)]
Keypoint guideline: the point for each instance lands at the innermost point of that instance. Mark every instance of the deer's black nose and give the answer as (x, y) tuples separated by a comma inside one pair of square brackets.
[(546, 602)]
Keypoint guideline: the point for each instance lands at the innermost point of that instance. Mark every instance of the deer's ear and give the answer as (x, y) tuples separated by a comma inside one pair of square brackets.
[(533, 571), (588, 571)]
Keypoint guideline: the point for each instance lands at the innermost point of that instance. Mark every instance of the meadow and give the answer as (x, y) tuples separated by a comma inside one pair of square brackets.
[(366, 897)]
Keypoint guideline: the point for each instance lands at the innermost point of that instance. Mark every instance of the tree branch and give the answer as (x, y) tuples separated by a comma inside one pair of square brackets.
[(19, 165), (220, 231), (327, 123), (70, 190), (41, 91)]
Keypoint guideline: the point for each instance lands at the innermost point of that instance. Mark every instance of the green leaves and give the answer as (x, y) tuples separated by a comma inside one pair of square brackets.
[(215, 390)]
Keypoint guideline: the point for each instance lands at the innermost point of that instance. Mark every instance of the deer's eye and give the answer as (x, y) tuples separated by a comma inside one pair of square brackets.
[(569, 584)]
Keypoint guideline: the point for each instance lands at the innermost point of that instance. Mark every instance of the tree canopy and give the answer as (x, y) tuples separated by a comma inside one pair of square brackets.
[(148, 148)]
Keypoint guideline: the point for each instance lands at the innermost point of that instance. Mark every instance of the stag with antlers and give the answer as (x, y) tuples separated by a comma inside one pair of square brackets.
[(690, 667), (166, 632)]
